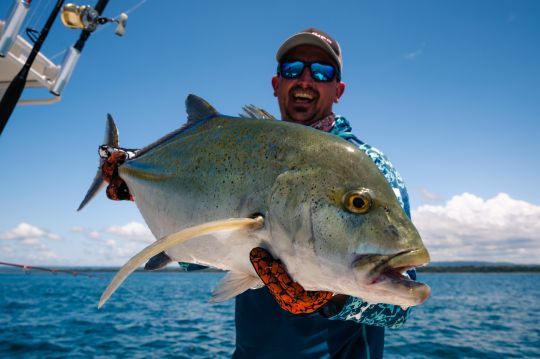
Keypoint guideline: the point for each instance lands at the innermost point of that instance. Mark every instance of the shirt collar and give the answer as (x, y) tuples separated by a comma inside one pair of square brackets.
[(325, 124)]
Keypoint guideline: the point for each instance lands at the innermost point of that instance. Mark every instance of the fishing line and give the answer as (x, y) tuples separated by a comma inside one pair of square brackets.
[(26, 268), (34, 9), (136, 6), (58, 54), (29, 268), (41, 14)]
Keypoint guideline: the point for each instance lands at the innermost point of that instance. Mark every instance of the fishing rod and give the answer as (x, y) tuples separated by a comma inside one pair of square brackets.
[(75, 17), (16, 87)]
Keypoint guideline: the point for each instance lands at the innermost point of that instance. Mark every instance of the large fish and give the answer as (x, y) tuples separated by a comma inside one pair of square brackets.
[(221, 186)]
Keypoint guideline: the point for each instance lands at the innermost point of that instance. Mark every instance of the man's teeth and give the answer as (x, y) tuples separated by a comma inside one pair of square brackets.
[(303, 96)]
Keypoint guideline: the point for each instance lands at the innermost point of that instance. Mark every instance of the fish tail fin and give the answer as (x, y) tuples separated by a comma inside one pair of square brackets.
[(110, 139)]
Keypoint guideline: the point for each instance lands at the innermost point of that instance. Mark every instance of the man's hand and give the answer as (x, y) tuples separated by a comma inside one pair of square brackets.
[(117, 189), (289, 294)]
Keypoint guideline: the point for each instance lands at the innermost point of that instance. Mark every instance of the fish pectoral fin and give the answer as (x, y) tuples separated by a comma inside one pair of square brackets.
[(158, 261), (234, 283), (233, 224)]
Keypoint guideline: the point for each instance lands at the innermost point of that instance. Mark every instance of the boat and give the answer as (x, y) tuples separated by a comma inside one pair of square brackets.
[(23, 66), (16, 50)]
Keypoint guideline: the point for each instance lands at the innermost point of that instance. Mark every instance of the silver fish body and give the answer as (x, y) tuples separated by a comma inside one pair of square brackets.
[(299, 179)]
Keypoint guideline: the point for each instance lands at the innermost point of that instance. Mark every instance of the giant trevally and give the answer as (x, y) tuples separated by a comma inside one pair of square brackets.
[(220, 186)]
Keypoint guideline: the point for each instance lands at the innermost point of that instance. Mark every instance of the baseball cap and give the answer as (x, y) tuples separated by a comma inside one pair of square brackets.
[(316, 37)]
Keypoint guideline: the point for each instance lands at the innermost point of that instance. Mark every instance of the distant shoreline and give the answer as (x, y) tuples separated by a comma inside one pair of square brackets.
[(428, 269), (481, 269)]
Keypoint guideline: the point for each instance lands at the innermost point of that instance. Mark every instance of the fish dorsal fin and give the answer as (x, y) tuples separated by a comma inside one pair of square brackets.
[(234, 283), (198, 109), (252, 111)]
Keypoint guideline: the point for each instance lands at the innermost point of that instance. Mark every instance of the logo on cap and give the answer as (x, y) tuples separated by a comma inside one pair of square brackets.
[(322, 37)]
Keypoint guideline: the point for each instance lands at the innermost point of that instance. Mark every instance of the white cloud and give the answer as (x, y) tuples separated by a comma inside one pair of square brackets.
[(92, 234), (28, 250), (30, 241), (468, 227), (53, 236), (27, 231), (414, 54), (115, 244), (118, 252), (427, 195), (133, 231)]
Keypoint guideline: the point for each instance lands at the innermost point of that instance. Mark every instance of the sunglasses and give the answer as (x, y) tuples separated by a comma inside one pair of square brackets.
[(320, 72)]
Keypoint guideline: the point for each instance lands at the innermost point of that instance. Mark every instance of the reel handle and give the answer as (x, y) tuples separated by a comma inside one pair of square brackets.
[(122, 22)]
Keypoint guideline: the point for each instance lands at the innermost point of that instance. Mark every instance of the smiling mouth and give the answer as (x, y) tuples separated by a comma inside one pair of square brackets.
[(389, 274), (303, 97)]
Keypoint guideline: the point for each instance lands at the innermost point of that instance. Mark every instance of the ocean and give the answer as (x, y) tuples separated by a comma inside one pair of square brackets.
[(44, 315)]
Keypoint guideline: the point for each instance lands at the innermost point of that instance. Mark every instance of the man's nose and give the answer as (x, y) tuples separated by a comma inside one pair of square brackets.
[(305, 76)]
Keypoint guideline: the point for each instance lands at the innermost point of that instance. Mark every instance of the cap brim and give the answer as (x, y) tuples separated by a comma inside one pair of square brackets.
[(306, 38)]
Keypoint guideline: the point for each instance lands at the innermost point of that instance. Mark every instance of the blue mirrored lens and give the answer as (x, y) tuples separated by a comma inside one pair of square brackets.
[(292, 70), (322, 72), (319, 72)]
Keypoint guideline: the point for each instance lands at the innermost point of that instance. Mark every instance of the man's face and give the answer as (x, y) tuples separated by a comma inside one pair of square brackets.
[(304, 100)]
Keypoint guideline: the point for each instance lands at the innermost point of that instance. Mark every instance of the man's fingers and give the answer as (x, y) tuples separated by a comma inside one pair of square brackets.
[(110, 166), (117, 189)]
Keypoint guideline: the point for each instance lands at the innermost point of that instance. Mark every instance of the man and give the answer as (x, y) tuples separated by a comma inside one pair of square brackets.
[(307, 84), (283, 320)]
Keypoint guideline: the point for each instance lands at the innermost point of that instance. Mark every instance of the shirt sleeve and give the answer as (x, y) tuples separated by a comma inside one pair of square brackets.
[(382, 315)]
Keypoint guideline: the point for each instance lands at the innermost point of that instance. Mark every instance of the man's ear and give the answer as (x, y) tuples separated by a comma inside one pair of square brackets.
[(340, 89), (275, 81)]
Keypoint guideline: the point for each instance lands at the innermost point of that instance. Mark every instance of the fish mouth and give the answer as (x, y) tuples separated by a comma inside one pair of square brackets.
[(388, 274)]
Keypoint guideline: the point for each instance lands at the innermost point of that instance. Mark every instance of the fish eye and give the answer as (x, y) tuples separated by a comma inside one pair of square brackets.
[(357, 201)]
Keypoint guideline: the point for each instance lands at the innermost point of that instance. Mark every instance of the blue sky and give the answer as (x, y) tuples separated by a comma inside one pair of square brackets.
[(449, 90)]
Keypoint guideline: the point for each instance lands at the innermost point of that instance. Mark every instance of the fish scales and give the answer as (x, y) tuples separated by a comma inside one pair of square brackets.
[(223, 168), (298, 179)]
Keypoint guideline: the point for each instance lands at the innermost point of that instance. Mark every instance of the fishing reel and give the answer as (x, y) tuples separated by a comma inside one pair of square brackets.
[(86, 18)]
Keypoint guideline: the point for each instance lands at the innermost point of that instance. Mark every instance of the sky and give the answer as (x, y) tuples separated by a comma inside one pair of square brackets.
[(448, 90)]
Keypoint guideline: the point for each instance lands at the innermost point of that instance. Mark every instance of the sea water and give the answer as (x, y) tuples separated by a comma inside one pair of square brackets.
[(167, 315)]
